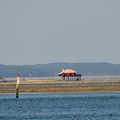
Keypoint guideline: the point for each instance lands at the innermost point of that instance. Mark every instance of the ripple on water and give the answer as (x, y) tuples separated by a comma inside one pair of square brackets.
[(65, 106)]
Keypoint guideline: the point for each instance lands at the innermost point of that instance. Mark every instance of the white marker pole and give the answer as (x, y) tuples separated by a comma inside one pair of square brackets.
[(17, 85)]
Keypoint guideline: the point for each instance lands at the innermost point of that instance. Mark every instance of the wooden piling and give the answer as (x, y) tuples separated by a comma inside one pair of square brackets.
[(17, 85), (17, 92)]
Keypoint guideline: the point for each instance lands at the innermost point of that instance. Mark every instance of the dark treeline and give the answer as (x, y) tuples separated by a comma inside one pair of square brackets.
[(52, 69)]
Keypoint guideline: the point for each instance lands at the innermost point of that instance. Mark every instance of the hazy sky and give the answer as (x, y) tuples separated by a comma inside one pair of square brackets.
[(45, 31)]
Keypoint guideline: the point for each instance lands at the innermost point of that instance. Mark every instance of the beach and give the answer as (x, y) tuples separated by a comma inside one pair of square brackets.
[(37, 86)]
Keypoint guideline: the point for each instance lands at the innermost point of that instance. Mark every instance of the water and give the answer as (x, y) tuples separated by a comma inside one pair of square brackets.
[(60, 106), (59, 78)]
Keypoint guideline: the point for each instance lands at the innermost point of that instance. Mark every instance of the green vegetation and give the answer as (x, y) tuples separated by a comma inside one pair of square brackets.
[(52, 69)]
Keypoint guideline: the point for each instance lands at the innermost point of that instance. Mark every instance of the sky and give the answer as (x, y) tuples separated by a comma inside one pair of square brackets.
[(49, 31)]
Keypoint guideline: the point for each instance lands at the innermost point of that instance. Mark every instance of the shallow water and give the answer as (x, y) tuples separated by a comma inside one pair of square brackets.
[(60, 106)]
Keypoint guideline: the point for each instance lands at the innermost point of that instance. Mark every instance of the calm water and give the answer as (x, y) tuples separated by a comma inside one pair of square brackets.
[(62, 106)]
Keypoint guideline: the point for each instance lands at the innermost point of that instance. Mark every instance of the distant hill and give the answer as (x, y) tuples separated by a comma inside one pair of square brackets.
[(52, 69)]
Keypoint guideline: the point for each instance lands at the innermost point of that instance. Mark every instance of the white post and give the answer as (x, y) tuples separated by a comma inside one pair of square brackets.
[(17, 85)]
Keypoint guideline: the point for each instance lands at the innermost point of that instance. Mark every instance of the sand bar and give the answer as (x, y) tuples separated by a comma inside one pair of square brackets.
[(61, 86)]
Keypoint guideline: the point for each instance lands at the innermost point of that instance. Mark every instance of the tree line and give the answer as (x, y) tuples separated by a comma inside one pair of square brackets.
[(52, 69)]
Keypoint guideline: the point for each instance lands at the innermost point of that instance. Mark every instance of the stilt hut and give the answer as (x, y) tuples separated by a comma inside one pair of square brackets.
[(70, 73)]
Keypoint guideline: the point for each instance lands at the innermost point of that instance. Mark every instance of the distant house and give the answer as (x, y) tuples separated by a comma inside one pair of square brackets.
[(70, 73)]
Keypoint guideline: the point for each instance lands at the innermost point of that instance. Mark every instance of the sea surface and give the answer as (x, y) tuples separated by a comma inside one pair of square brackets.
[(60, 106)]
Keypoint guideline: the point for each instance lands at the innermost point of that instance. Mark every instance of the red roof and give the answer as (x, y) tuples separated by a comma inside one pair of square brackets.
[(67, 71)]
